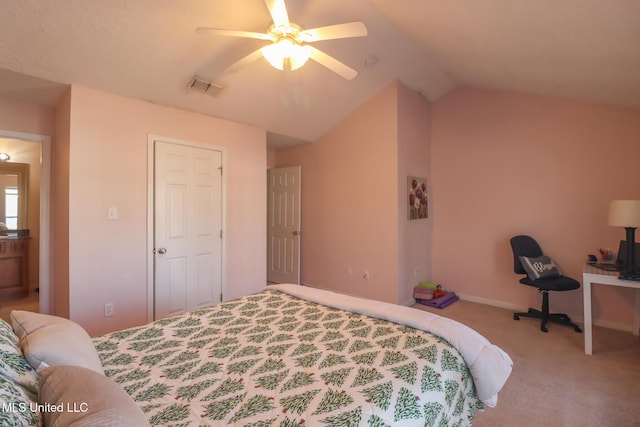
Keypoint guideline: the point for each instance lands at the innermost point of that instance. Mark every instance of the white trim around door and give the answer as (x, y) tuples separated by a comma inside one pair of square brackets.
[(44, 278), (151, 213)]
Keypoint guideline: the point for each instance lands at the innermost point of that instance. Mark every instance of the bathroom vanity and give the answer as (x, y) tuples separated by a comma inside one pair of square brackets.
[(14, 267)]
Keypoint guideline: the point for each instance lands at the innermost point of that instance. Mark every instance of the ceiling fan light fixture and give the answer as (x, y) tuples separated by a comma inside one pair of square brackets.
[(286, 50), (275, 54), (289, 49), (300, 56)]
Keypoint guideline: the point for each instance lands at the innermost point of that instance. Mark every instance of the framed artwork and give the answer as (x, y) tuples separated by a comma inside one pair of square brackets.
[(417, 197)]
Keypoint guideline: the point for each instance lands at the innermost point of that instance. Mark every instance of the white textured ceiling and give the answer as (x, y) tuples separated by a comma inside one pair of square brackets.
[(148, 49)]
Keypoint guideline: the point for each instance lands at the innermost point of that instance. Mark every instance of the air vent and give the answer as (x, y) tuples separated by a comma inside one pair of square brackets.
[(200, 85)]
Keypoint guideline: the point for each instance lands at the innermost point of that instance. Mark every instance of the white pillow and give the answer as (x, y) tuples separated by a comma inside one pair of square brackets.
[(50, 340), (88, 399)]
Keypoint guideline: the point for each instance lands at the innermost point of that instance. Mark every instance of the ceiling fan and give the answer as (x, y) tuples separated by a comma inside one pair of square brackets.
[(289, 48)]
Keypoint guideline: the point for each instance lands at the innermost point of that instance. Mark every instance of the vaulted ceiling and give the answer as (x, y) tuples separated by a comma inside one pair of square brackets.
[(149, 49)]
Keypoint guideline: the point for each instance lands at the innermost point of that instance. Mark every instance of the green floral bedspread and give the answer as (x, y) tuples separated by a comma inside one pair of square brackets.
[(271, 359)]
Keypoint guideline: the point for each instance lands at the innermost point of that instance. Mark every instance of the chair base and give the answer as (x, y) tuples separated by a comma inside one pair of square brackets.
[(547, 317)]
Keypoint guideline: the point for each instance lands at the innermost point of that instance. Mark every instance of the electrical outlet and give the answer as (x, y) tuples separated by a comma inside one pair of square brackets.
[(108, 309), (112, 212), (415, 272), (366, 274), (348, 270)]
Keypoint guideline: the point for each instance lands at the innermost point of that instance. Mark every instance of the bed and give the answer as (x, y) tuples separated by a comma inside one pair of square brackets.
[(286, 356)]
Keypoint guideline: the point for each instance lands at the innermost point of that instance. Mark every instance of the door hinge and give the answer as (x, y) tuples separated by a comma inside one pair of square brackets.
[(220, 296), (221, 234), (220, 167)]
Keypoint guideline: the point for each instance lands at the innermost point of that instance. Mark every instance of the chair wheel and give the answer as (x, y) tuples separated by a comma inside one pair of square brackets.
[(516, 317), (577, 329), (544, 328)]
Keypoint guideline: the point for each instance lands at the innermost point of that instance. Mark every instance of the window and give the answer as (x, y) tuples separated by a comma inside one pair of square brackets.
[(11, 207)]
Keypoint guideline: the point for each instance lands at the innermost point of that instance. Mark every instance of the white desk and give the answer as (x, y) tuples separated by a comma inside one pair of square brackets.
[(595, 275)]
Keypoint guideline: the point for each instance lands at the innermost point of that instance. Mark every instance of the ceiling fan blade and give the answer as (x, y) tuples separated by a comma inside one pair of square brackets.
[(333, 64), (278, 12), (338, 31), (252, 57), (232, 33)]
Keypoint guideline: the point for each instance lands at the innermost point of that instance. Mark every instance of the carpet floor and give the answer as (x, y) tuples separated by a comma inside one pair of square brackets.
[(554, 383)]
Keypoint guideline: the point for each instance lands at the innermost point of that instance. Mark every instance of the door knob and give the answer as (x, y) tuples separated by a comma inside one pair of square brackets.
[(162, 251), (297, 233)]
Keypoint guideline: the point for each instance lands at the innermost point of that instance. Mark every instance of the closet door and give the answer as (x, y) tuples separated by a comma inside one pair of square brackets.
[(188, 228), (283, 231)]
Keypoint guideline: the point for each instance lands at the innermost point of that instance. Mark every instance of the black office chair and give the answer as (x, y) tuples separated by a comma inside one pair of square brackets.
[(525, 246)]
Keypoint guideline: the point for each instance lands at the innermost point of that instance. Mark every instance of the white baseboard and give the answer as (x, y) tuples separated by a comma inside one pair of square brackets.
[(409, 303), (519, 308), (579, 318)]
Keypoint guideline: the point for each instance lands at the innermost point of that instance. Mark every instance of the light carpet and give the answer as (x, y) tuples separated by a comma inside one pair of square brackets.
[(554, 383)]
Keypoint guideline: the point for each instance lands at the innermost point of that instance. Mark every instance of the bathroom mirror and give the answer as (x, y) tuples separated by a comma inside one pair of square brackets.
[(14, 188)]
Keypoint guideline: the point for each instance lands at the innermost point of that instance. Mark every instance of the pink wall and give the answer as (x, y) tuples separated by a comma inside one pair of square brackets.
[(506, 163), (354, 199), (349, 214), (271, 158), (26, 118), (414, 147), (481, 142), (59, 286), (108, 167)]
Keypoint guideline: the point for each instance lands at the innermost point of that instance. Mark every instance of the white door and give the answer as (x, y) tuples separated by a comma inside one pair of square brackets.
[(283, 231), (188, 228)]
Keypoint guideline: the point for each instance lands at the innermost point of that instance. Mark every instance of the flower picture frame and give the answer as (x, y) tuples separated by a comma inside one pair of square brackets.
[(417, 207)]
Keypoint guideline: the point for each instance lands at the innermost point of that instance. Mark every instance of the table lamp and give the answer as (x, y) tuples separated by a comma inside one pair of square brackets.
[(626, 213)]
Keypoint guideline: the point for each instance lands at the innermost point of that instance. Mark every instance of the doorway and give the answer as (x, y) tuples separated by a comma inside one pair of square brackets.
[(283, 228), (187, 219), (40, 215)]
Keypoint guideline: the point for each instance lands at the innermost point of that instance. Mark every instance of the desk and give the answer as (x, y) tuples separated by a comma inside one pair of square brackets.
[(596, 275)]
